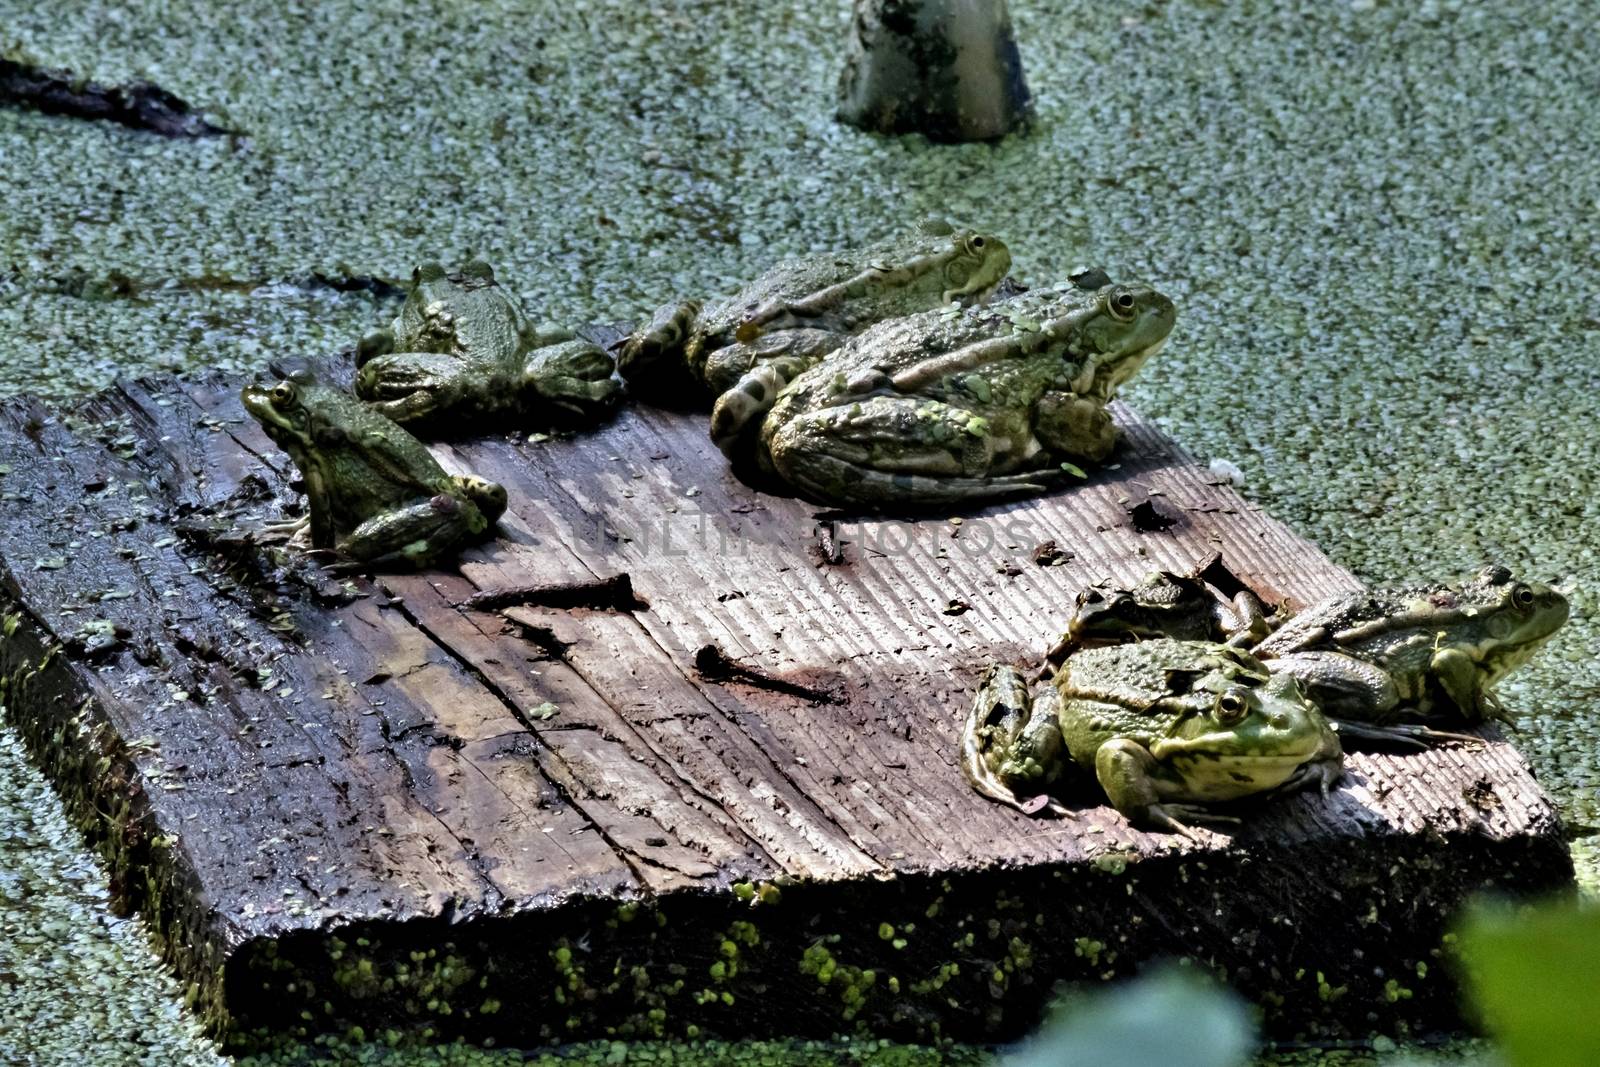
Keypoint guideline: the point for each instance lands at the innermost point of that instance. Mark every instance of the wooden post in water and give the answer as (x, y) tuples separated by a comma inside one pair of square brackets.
[(948, 69)]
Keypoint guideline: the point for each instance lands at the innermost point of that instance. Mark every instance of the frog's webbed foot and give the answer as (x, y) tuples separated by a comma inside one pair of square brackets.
[(1012, 740), (296, 531), (645, 351), (411, 386), (1410, 735), (834, 480), (1175, 818), (574, 377)]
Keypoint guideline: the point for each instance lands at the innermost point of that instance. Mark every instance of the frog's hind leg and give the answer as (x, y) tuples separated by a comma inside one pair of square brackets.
[(416, 535), (896, 452), (833, 480), (1011, 740), (752, 397), (573, 377), (651, 349), (1406, 734)]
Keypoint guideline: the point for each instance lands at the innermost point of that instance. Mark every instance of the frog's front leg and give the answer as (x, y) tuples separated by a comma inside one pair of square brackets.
[(1244, 621), (656, 347), (1012, 740), (896, 451), (1461, 681), (1131, 779), (1074, 426), (417, 534), (573, 376), (294, 531)]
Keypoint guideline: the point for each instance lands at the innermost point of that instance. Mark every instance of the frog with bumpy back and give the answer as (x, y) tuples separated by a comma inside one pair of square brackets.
[(799, 310), (1168, 728), (1376, 657), (1163, 604), (1371, 659), (961, 405), (376, 495), (461, 351)]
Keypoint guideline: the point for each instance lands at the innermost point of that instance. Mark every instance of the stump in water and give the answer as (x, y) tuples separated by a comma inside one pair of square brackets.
[(948, 69)]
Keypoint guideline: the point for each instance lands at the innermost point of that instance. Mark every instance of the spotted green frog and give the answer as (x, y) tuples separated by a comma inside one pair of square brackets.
[(1168, 728), (1162, 604), (961, 405), (461, 351), (1373, 658), (376, 495), (801, 309)]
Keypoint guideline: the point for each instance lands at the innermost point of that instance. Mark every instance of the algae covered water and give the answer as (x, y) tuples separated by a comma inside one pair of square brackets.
[(1376, 220)]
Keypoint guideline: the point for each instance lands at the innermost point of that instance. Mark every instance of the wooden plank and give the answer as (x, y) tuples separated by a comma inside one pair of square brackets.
[(345, 801)]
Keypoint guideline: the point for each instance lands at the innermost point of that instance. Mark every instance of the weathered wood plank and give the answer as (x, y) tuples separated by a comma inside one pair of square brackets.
[(311, 783)]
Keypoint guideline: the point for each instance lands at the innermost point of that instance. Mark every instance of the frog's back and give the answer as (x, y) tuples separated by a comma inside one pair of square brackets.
[(1315, 627), (1127, 682)]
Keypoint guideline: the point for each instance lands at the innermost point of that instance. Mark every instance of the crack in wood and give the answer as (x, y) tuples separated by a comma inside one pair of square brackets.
[(476, 672)]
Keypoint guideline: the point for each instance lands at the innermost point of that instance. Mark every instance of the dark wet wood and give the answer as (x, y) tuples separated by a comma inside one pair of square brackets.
[(661, 705)]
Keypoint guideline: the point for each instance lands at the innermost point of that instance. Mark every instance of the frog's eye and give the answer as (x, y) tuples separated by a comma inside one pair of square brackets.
[(1231, 706), (1121, 304), (1522, 596), (284, 394), (976, 243)]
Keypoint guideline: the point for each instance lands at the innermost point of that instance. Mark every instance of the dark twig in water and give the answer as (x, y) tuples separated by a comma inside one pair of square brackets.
[(138, 105)]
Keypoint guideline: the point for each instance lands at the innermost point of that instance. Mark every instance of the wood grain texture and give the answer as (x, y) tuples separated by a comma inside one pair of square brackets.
[(345, 800)]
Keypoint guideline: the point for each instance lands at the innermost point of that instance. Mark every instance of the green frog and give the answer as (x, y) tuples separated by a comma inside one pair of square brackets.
[(461, 351), (1163, 604), (961, 405), (799, 310), (376, 495), (1372, 658), (1167, 727)]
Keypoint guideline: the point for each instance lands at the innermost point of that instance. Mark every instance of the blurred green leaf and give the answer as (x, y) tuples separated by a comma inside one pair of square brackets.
[(1534, 975), (1172, 1018)]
